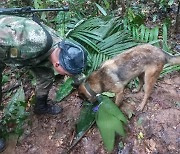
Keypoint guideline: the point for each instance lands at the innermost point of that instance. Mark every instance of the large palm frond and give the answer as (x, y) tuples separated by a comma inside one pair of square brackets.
[(102, 38)]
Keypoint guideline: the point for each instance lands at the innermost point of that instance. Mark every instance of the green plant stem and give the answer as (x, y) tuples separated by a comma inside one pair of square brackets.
[(79, 138)]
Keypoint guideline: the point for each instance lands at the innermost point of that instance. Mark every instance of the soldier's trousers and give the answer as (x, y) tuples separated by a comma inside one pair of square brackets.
[(44, 79)]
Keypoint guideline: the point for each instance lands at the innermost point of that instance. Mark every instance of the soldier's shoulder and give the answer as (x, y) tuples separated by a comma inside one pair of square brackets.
[(11, 19)]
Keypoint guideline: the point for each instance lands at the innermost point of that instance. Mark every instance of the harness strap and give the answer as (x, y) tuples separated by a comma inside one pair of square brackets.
[(88, 88)]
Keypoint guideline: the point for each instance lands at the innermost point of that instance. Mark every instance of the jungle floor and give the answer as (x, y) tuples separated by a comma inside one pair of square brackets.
[(156, 130)]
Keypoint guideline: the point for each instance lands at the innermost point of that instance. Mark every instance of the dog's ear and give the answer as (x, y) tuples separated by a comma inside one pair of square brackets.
[(78, 79)]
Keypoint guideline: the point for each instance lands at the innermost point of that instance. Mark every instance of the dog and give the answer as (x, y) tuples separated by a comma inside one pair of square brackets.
[(143, 61)]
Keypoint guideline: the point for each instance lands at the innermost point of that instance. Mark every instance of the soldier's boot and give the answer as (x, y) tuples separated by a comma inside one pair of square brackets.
[(41, 106), (2, 144)]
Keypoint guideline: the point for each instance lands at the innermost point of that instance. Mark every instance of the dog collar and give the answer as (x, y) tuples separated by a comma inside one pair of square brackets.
[(88, 88)]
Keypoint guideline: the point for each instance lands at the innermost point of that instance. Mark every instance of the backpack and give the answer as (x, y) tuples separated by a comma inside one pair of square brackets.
[(23, 41)]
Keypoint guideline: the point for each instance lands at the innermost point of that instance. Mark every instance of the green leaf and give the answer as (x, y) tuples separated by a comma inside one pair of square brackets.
[(113, 40), (156, 33), (151, 36), (170, 2), (101, 9), (154, 42), (90, 35), (102, 38), (136, 34), (14, 114), (147, 32), (86, 118), (168, 69), (84, 123), (142, 28), (165, 35), (108, 94), (103, 121), (85, 40), (108, 124), (118, 126), (121, 48), (5, 78), (96, 60), (64, 90), (19, 96), (107, 4), (110, 107)]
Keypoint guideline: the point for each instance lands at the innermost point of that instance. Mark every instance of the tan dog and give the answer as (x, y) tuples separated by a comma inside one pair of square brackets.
[(144, 61)]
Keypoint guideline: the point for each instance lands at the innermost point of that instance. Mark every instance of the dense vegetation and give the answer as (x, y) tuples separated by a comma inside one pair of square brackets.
[(105, 28)]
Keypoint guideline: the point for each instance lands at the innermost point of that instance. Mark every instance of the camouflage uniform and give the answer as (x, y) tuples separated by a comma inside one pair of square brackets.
[(22, 41)]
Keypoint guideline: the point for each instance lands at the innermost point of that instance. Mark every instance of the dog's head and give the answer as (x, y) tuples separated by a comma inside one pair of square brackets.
[(86, 93), (84, 89)]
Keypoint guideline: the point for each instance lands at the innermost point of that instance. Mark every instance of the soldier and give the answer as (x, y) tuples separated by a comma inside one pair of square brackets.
[(28, 43)]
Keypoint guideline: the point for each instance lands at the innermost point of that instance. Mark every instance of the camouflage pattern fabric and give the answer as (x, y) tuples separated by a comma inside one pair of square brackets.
[(22, 38), (44, 76)]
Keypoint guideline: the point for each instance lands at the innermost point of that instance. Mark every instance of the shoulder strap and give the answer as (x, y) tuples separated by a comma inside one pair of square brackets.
[(45, 52), (49, 37)]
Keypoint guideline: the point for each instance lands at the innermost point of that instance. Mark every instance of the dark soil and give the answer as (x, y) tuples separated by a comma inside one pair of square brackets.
[(156, 130)]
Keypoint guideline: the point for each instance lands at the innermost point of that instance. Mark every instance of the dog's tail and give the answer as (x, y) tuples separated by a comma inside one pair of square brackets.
[(172, 60)]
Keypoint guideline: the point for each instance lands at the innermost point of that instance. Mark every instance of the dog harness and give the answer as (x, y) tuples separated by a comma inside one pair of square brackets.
[(88, 88)]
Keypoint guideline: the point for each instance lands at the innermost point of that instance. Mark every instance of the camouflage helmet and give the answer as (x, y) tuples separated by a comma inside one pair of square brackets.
[(73, 57)]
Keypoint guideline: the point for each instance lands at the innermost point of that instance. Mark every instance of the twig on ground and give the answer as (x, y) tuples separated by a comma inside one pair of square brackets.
[(79, 138)]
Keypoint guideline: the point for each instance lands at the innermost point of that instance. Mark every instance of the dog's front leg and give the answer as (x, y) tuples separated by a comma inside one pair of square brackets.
[(119, 97)]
